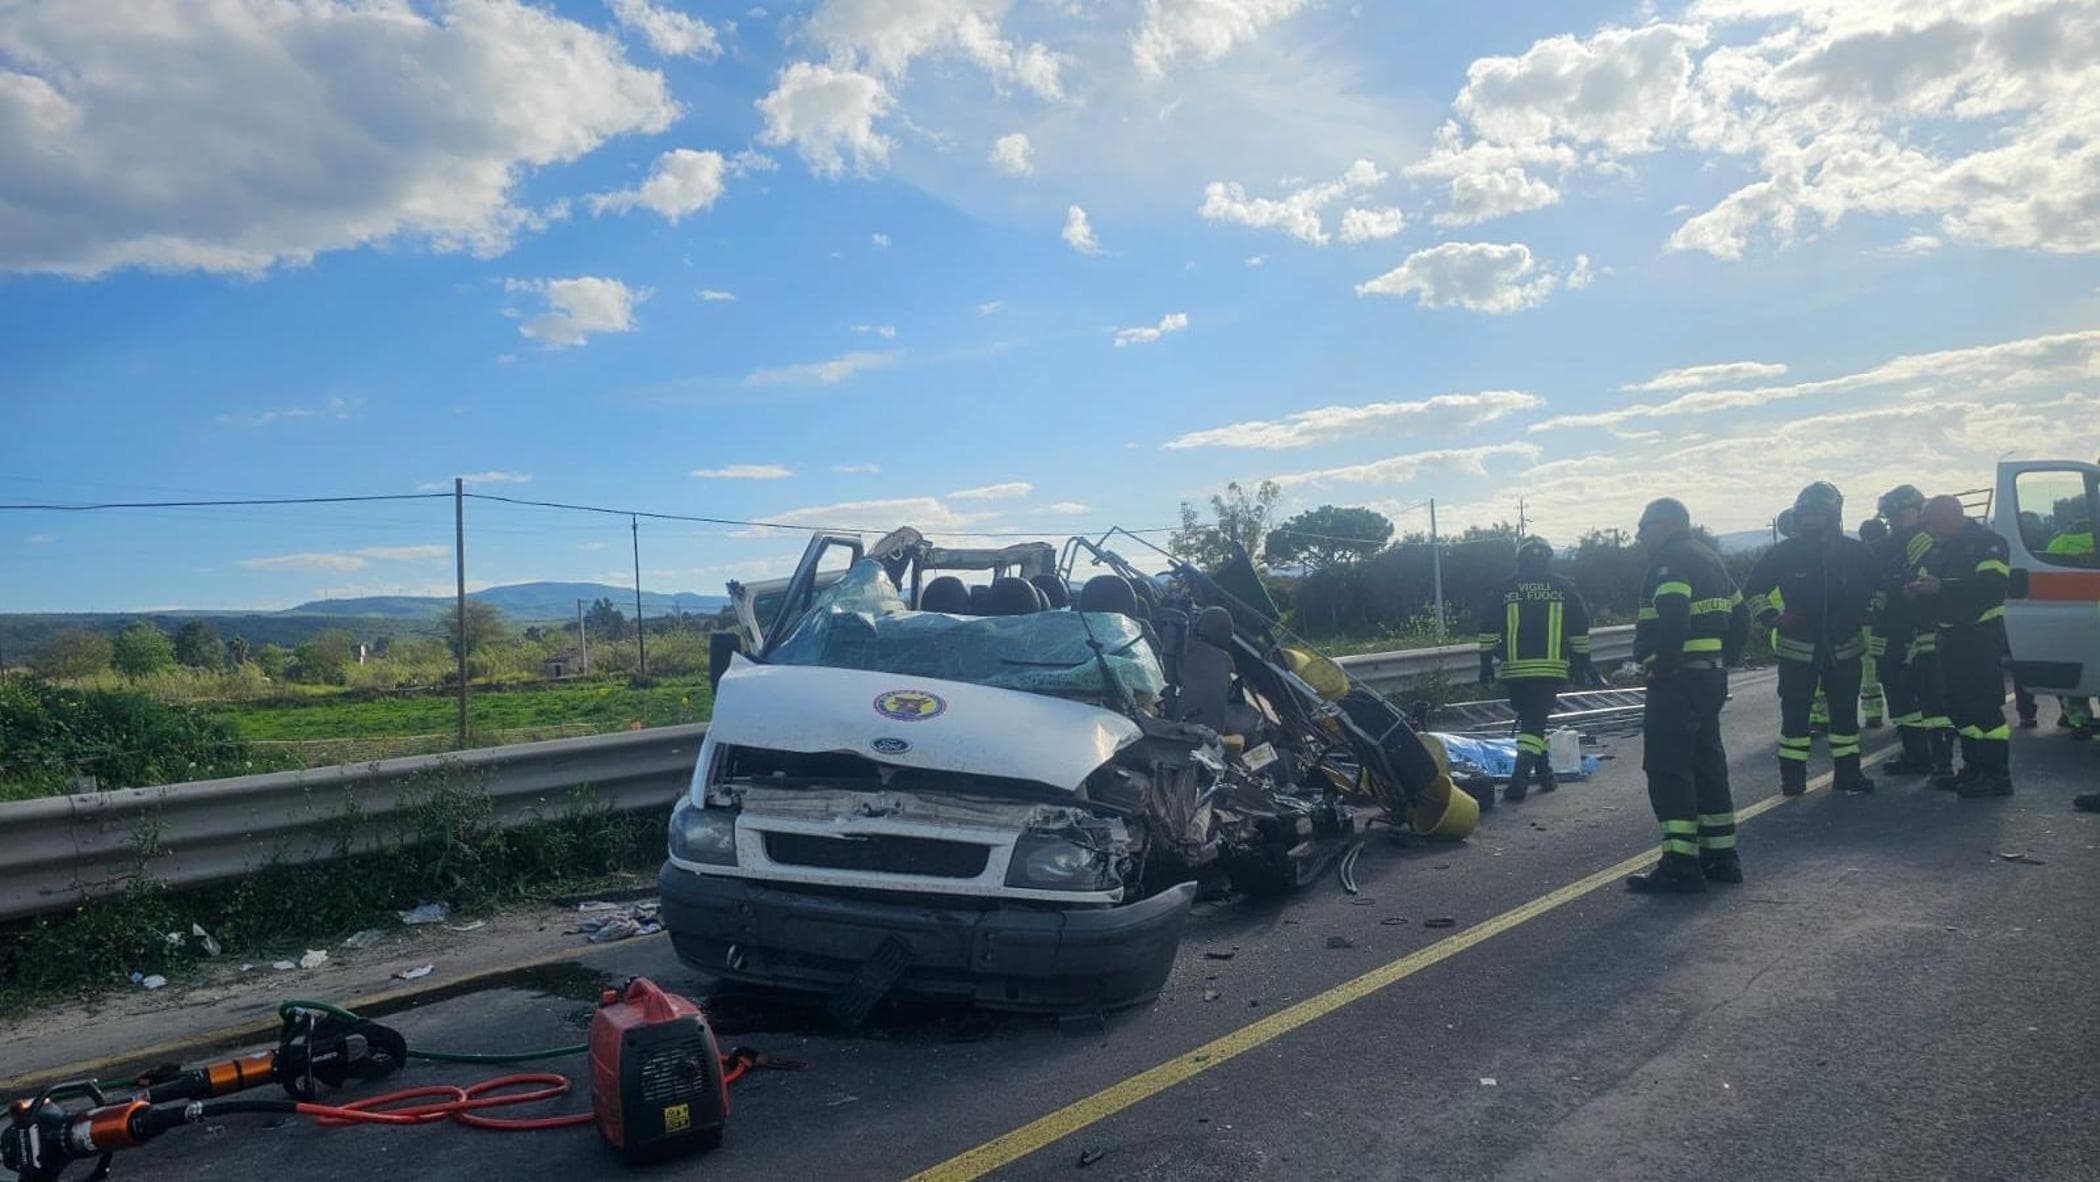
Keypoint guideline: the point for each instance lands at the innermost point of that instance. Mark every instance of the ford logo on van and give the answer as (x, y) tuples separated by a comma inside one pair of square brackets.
[(889, 746)]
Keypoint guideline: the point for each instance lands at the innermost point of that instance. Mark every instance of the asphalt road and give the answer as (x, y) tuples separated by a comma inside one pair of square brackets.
[(1887, 997)]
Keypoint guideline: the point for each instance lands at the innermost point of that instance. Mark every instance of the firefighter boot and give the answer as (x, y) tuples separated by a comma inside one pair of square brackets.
[(1916, 759), (1720, 866), (1793, 777), (1944, 777), (1848, 779), (1676, 874), (1994, 773), (1941, 740), (1545, 775), (1519, 777)]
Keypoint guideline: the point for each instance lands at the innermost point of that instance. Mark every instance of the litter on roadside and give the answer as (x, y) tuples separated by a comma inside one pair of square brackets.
[(367, 938), (475, 926), (283, 966), (313, 959), (205, 940), (597, 905), (416, 974), (427, 913), (153, 982), (606, 926)]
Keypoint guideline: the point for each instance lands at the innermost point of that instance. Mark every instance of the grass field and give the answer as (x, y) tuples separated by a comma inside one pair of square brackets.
[(601, 705)]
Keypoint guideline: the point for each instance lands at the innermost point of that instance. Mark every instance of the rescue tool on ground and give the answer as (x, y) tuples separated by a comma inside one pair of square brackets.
[(658, 1080)]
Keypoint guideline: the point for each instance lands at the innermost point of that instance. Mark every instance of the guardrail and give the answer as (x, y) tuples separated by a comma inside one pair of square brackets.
[(58, 852), (1393, 671)]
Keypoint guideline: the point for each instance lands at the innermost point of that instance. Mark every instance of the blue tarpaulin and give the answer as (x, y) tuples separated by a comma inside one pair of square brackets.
[(1493, 758)]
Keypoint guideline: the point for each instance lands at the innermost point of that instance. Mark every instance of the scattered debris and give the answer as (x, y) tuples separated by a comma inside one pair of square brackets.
[(175, 939), (211, 946), (1394, 921), (1088, 1157), (475, 926), (597, 905), (313, 959), (153, 982), (1211, 995), (604, 927), (1441, 921), (415, 974), (2022, 857), (367, 938), (1487, 1081), (283, 966), (426, 913), (1340, 942), (1216, 955)]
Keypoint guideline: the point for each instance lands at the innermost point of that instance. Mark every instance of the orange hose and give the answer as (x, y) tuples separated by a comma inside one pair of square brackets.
[(460, 1104)]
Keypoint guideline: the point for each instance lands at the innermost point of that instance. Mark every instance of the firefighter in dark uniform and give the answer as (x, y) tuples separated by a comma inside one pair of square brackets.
[(1872, 700), (1691, 625), (1917, 696), (1813, 590), (1962, 592), (1538, 627)]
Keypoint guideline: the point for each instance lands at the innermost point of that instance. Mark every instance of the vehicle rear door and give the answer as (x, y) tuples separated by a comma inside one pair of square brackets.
[(2045, 513)]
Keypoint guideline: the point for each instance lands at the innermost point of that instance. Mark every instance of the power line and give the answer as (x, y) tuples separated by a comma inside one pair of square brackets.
[(844, 529), (49, 507)]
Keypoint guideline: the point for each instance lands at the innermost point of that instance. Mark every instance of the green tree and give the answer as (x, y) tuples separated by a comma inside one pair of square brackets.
[(604, 621), (322, 660), (141, 650), (1238, 517), (1320, 538), (72, 653), (480, 625), (273, 660), (197, 645), (237, 651)]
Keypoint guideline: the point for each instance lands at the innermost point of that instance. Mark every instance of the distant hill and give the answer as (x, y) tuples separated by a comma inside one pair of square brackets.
[(519, 601), (1744, 541)]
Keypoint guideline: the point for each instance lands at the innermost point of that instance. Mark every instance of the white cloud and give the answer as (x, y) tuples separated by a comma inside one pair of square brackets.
[(1013, 155), (856, 469), (1581, 275), (1145, 335), (173, 136), (828, 116), (1257, 260), (824, 373), (473, 479), (1371, 225), (578, 307), (713, 296), (333, 408), (1079, 233), (879, 241), (990, 307), (1298, 213), (39, 539), (1693, 377), (883, 37), (682, 181), (1477, 276), (346, 560), (1011, 490), (1444, 412), (744, 472), (879, 515), (1204, 30), (2044, 362), (1470, 461), (668, 31), (1069, 508), (1618, 90), (1483, 196), (887, 332)]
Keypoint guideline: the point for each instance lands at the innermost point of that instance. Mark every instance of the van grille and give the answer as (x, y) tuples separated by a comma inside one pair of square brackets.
[(880, 854)]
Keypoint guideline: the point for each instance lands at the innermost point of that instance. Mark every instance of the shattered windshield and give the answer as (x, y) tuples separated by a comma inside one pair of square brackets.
[(861, 622)]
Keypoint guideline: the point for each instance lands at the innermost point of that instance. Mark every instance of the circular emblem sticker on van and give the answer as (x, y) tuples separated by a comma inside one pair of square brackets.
[(890, 746), (910, 705)]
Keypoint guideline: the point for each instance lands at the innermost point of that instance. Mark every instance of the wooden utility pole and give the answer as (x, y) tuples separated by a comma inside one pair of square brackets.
[(459, 567), (583, 638), (641, 640), (1436, 567)]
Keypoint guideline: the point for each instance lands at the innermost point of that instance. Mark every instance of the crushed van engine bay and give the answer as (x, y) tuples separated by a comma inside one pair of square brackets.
[(1014, 808)]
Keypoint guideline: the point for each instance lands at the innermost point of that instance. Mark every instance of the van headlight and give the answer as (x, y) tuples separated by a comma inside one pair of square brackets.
[(703, 835), (1051, 862)]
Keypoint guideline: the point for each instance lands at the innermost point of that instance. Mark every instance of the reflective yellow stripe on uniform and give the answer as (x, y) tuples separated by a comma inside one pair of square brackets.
[(1717, 831), (1702, 606), (1673, 587), (1991, 564), (1680, 837), (1996, 613), (1703, 644), (1649, 613), (1553, 626), (1579, 644), (1509, 633), (2000, 732)]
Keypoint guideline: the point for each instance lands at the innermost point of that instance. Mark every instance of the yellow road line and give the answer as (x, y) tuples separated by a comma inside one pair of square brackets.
[(180, 1049), (1011, 1147)]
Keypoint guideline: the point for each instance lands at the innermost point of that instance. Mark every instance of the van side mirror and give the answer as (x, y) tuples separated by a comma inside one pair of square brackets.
[(2016, 583)]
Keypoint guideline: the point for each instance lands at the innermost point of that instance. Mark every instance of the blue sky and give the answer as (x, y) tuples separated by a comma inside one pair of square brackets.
[(361, 248)]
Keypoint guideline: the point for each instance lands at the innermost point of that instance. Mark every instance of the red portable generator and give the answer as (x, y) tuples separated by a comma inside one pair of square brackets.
[(656, 1074)]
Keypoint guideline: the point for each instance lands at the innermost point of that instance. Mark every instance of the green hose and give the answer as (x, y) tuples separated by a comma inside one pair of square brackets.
[(284, 1009)]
